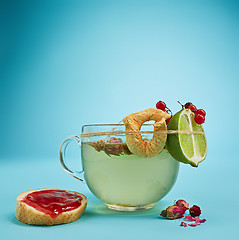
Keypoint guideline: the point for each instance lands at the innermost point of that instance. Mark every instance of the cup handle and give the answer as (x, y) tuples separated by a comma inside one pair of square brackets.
[(62, 154)]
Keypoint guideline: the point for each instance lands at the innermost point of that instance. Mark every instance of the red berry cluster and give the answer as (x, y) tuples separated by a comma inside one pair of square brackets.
[(199, 113), (162, 106)]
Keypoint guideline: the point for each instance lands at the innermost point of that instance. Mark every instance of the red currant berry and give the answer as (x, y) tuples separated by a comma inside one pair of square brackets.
[(160, 105), (167, 120), (199, 119), (192, 107), (187, 104), (201, 112)]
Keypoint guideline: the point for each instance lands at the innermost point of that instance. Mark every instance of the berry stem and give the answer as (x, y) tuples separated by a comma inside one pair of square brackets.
[(169, 110), (181, 104)]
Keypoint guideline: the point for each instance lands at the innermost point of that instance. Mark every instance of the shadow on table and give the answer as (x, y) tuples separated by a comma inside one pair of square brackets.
[(14, 220), (98, 208)]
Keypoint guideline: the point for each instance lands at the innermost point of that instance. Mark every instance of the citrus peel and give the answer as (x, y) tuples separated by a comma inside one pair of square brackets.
[(135, 143)]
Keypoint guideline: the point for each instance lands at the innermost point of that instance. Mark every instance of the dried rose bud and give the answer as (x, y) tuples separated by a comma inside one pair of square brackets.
[(115, 148), (164, 213), (126, 150), (195, 211), (99, 145), (182, 203), (174, 212), (115, 140)]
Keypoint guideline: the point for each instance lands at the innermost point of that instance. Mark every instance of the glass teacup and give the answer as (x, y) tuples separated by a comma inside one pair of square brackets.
[(122, 180)]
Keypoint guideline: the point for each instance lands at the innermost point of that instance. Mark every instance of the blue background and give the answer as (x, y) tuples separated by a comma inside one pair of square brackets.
[(69, 63)]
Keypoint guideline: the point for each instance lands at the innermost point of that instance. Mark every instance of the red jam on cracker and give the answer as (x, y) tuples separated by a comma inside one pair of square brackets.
[(53, 201)]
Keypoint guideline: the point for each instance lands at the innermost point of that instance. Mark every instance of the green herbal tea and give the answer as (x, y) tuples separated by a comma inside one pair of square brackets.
[(118, 177)]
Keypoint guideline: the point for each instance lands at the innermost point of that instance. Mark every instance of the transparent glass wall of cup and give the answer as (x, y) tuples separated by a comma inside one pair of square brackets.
[(122, 180)]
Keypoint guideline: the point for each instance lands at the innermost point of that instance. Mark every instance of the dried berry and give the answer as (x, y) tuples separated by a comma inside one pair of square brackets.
[(182, 203), (195, 211)]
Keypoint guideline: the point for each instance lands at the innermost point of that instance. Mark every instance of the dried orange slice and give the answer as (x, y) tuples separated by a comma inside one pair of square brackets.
[(135, 143)]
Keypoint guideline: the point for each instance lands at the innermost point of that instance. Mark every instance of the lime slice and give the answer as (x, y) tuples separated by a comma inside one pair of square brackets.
[(186, 148)]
